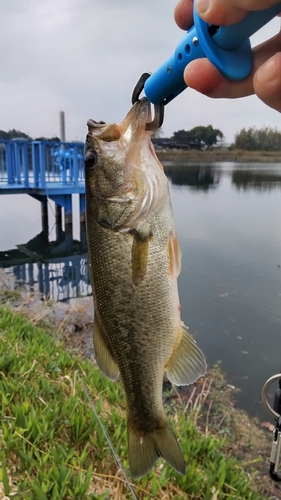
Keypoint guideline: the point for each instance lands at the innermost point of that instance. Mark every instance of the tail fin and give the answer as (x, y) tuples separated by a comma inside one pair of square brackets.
[(145, 450)]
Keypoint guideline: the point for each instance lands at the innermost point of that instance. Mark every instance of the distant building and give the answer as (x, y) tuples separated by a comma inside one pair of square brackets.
[(171, 143)]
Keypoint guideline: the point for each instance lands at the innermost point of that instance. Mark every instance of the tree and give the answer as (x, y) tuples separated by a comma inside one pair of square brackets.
[(265, 139), (207, 136), (202, 136), (13, 134), (184, 136), (51, 139)]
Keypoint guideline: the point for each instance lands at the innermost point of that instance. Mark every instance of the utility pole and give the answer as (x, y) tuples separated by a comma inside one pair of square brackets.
[(62, 126)]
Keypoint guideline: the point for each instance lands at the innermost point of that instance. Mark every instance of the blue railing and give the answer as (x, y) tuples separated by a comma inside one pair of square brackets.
[(41, 165)]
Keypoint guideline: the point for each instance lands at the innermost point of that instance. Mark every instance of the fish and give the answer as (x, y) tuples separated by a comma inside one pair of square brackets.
[(135, 259)]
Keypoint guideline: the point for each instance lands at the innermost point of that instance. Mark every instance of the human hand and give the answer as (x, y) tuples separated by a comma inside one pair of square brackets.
[(265, 77)]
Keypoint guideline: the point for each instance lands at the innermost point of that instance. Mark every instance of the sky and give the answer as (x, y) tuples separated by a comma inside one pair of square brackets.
[(84, 57)]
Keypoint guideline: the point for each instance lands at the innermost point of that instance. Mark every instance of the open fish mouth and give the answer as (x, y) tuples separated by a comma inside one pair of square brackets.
[(134, 123)]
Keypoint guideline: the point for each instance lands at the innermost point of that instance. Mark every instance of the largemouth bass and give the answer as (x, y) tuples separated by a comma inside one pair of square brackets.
[(135, 259)]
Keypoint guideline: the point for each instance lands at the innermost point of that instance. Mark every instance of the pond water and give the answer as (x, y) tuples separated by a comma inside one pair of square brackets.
[(228, 219)]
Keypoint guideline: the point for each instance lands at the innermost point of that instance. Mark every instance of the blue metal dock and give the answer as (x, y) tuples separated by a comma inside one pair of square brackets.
[(41, 167), (45, 169)]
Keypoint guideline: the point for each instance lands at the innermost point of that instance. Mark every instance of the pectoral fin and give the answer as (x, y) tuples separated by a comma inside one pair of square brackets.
[(103, 356), (174, 253), (187, 362), (139, 258)]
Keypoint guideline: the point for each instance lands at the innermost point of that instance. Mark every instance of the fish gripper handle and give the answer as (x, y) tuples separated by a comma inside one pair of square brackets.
[(227, 47)]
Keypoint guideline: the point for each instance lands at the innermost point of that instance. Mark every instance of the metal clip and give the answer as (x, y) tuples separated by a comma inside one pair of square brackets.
[(264, 392), (276, 444), (158, 108), (275, 453)]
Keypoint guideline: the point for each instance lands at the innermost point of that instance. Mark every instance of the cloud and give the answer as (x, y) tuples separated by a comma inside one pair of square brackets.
[(85, 58)]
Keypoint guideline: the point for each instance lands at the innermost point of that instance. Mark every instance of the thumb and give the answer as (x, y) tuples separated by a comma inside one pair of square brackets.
[(267, 82)]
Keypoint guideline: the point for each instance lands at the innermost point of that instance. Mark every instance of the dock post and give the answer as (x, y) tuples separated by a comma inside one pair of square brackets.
[(68, 220), (58, 221), (44, 214), (68, 213), (46, 281), (40, 277), (82, 209), (31, 276)]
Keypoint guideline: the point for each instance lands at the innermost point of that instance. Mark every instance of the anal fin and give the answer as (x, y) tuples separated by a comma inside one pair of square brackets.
[(187, 362), (103, 356)]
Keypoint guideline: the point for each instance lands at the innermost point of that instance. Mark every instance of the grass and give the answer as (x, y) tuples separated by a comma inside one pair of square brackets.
[(9, 295), (219, 154), (52, 445)]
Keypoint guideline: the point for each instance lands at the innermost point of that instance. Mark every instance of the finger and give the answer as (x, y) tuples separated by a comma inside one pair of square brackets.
[(202, 76), (267, 82), (222, 13), (184, 14)]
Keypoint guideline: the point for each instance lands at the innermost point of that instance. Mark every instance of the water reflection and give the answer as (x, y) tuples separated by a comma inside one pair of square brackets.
[(57, 269), (203, 177), (255, 179), (198, 177)]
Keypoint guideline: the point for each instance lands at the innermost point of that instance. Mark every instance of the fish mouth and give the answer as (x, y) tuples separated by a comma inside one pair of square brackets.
[(141, 112), (131, 128)]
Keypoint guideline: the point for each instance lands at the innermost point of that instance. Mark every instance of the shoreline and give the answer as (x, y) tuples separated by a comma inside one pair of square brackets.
[(219, 155), (245, 437)]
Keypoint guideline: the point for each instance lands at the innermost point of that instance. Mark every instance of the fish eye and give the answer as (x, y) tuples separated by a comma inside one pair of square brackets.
[(91, 159)]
